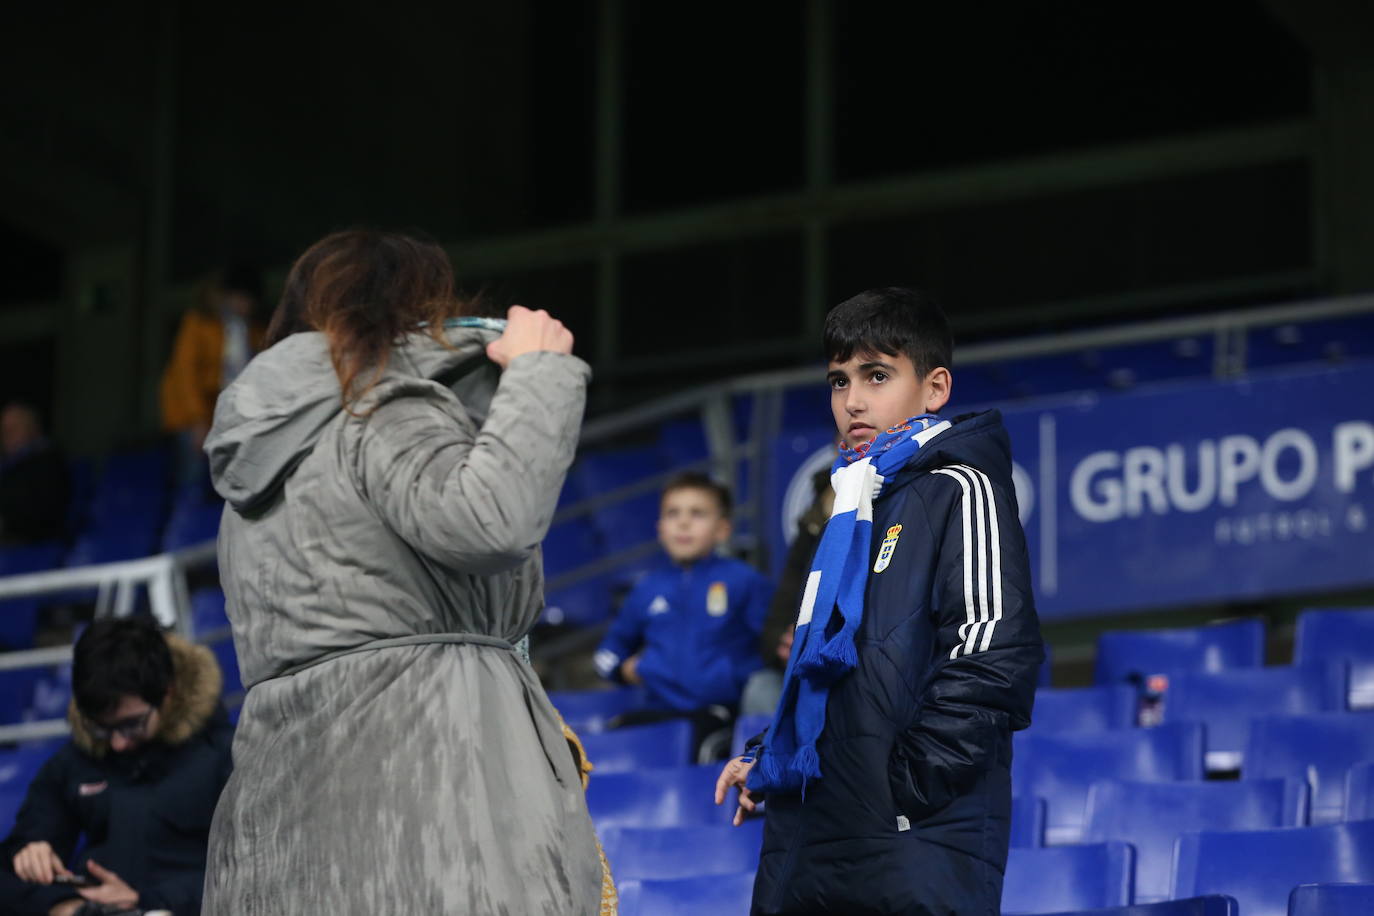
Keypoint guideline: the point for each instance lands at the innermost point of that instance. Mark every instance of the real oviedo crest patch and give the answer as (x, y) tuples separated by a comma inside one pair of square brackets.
[(885, 551), (717, 599)]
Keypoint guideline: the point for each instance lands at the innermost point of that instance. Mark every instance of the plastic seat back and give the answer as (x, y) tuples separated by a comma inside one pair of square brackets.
[(1068, 878), (673, 797), (1344, 633), (1331, 900), (1226, 702), (1151, 816), (1027, 821), (1211, 905), (663, 744), (590, 710), (747, 727), (1359, 793), (1319, 749), (712, 895), (1130, 655), (682, 852), (1060, 768), (1079, 709), (1260, 868)]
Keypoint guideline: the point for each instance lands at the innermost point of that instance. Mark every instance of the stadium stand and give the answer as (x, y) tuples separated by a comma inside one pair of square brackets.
[(1226, 701), (1027, 821), (1075, 709), (1359, 793), (589, 711), (1061, 768), (1082, 877), (652, 797), (1319, 749), (1211, 905), (1340, 634), (1331, 900), (663, 744), (712, 895), (1134, 655), (1151, 816), (1260, 868), (682, 852)]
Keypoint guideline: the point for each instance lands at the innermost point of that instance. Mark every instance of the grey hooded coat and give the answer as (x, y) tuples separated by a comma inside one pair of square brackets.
[(427, 774)]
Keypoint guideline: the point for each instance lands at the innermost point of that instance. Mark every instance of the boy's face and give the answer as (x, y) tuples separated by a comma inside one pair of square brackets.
[(690, 524), (872, 392)]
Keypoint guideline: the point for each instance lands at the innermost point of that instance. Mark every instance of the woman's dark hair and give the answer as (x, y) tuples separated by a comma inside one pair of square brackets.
[(893, 319), (117, 658), (365, 290)]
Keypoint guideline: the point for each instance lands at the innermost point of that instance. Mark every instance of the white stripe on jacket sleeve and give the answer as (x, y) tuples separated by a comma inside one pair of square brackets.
[(978, 497)]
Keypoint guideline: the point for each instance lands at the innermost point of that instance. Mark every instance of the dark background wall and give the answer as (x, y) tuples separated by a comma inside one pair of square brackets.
[(687, 189)]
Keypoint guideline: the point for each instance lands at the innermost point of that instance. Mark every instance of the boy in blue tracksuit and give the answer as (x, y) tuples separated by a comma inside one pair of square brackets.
[(887, 769), (689, 630)]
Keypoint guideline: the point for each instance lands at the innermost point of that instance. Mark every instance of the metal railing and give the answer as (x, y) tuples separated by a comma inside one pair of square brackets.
[(164, 576)]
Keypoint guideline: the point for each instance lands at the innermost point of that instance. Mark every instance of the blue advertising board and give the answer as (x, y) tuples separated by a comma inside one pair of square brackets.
[(1178, 494)]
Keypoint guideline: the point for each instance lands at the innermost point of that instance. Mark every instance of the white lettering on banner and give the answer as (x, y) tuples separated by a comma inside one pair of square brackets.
[(1107, 486), (1353, 444)]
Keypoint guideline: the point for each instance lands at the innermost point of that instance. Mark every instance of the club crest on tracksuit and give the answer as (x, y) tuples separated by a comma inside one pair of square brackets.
[(889, 545), (717, 599)]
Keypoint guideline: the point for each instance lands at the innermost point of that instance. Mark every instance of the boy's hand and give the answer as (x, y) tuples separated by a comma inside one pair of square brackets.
[(529, 332), (629, 670), (38, 863), (733, 776), (111, 890)]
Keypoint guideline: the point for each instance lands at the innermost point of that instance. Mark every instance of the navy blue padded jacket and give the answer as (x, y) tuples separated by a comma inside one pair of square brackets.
[(912, 812)]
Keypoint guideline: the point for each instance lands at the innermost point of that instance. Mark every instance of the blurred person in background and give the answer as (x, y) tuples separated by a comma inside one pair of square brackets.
[(34, 486), (764, 689), (139, 780), (215, 341), (388, 484), (689, 630)]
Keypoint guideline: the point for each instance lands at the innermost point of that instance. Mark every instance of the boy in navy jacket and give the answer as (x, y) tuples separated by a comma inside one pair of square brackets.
[(689, 630), (887, 769)]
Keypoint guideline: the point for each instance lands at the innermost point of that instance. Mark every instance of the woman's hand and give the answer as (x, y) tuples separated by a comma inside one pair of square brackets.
[(38, 863), (529, 332), (733, 776)]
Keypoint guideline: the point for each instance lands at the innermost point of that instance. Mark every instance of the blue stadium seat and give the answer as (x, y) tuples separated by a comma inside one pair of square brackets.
[(1130, 655), (223, 650), (590, 710), (1226, 701), (1046, 667), (1060, 768), (19, 616), (632, 521), (747, 727), (1211, 905), (1318, 749), (712, 895), (1260, 868), (663, 744), (1325, 340), (1073, 709), (638, 853), (207, 610), (136, 538), (19, 765), (682, 442), (1151, 816), (1068, 878), (11, 799), (1359, 793), (1134, 364), (1331, 900), (192, 522), (675, 797), (1027, 821), (1347, 634), (569, 545), (132, 484)]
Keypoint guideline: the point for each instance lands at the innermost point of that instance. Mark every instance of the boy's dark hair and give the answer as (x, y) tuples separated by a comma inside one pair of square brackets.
[(892, 319), (115, 658), (695, 480)]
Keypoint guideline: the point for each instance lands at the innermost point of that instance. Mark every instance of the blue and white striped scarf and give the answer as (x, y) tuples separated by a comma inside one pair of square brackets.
[(833, 605)]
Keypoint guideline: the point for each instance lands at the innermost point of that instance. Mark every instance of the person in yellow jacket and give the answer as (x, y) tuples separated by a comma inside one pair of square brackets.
[(215, 341)]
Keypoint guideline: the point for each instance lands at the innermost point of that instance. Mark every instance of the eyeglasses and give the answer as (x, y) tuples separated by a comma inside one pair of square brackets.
[(128, 728)]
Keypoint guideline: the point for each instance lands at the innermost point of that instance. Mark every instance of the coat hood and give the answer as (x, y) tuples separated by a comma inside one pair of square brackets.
[(270, 418), (197, 682)]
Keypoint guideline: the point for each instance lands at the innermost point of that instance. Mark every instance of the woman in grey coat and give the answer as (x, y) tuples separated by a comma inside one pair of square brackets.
[(388, 484)]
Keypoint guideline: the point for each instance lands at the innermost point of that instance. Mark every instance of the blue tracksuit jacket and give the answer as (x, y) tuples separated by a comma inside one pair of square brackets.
[(698, 628), (911, 815)]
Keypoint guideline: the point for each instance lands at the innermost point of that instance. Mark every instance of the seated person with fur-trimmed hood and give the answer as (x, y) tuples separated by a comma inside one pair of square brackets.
[(139, 780)]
